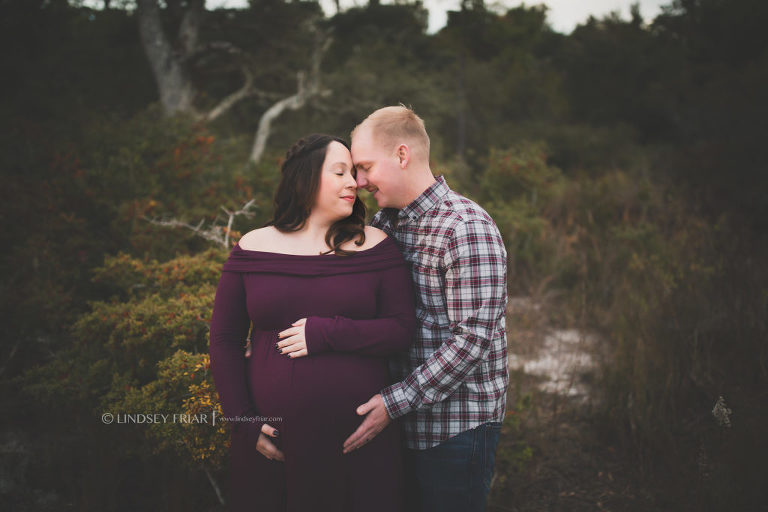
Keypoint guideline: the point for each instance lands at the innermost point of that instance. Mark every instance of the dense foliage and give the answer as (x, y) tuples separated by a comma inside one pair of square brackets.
[(623, 163)]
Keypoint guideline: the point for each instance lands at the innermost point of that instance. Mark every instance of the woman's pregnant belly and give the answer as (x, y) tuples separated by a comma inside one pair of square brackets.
[(318, 391)]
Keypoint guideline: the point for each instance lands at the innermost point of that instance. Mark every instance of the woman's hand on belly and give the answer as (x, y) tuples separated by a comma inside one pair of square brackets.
[(293, 342), (267, 447)]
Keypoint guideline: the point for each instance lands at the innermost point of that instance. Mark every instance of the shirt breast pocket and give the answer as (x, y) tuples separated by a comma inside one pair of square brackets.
[(430, 280)]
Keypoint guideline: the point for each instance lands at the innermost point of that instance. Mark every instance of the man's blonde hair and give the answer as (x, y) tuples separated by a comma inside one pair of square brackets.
[(394, 125)]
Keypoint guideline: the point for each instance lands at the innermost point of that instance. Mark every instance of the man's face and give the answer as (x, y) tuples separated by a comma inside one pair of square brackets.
[(378, 170)]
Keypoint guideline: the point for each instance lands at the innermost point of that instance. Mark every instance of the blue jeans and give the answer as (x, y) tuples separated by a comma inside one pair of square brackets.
[(454, 475)]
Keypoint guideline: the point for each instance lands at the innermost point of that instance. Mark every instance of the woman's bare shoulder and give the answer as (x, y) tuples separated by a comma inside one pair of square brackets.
[(258, 239)]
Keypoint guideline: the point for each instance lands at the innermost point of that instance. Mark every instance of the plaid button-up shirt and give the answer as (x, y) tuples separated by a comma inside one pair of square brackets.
[(455, 376)]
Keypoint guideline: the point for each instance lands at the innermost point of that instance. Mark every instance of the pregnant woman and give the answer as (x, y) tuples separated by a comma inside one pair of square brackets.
[(329, 300)]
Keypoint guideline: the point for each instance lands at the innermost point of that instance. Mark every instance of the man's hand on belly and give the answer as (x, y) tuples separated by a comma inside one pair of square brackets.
[(376, 420)]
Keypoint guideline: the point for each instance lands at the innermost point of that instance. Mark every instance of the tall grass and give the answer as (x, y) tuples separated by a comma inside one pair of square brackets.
[(682, 302)]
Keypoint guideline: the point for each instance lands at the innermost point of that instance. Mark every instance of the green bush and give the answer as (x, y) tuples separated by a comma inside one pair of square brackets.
[(144, 351)]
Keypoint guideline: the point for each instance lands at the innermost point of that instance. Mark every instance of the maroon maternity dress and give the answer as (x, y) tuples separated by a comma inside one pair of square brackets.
[(359, 310)]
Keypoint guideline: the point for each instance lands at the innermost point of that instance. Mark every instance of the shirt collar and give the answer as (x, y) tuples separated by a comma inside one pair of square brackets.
[(425, 201)]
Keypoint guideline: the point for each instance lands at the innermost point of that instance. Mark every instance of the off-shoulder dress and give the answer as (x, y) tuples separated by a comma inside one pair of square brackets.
[(359, 311)]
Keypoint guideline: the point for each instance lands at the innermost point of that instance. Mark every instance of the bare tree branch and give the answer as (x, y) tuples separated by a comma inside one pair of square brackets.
[(215, 485), (218, 46), (294, 102), (247, 90), (215, 232), (10, 356), (170, 58), (212, 234), (230, 101), (245, 211)]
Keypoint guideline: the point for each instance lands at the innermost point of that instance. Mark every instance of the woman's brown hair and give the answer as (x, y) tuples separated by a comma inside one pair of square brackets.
[(297, 192)]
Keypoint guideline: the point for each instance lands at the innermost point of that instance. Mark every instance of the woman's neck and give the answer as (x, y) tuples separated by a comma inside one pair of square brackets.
[(314, 231)]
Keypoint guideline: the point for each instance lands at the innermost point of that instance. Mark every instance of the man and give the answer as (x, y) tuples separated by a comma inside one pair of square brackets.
[(452, 388)]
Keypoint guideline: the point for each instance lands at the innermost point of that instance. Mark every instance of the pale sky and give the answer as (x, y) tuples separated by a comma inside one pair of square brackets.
[(563, 15)]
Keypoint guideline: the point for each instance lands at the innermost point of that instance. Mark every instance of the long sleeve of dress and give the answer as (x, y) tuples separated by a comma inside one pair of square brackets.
[(393, 329), (229, 328)]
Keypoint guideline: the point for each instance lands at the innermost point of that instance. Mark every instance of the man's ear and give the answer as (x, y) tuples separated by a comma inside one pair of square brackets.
[(403, 155)]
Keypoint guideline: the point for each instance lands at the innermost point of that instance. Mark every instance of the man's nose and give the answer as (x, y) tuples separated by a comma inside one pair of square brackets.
[(361, 181)]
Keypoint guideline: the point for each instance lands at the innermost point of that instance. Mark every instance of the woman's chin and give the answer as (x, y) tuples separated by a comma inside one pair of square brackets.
[(342, 215)]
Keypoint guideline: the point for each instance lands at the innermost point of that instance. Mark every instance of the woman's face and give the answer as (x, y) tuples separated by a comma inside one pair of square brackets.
[(337, 190)]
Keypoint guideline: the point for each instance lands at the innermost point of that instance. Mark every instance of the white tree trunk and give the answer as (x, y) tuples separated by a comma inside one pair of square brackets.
[(168, 62), (175, 89)]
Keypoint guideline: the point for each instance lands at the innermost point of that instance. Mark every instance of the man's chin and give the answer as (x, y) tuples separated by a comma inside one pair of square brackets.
[(380, 200)]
